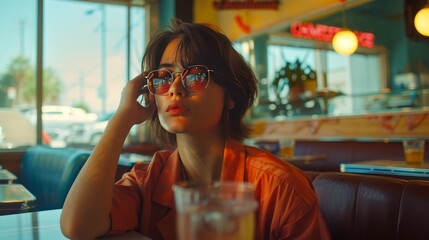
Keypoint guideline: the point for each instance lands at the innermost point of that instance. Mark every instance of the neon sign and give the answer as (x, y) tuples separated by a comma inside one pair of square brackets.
[(326, 33)]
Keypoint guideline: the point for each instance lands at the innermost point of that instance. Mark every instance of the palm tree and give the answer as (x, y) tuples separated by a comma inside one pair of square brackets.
[(20, 75)]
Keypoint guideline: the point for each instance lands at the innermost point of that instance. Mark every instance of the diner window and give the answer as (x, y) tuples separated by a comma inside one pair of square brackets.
[(335, 74), (247, 50), (17, 72), (85, 64)]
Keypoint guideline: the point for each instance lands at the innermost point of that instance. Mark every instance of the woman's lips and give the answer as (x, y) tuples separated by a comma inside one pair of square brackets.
[(175, 109)]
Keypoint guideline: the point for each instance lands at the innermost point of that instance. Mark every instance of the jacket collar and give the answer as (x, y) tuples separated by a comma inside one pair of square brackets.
[(234, 157), (232, 170), (170, 174)]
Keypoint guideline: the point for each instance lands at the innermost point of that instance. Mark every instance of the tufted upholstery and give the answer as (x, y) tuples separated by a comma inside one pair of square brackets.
[(372, 207), (48, 173)]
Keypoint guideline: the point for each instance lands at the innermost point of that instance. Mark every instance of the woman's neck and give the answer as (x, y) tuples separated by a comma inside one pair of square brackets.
[(202, 156)]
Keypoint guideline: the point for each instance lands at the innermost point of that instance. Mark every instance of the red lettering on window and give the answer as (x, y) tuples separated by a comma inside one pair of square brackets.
[(326, 33)]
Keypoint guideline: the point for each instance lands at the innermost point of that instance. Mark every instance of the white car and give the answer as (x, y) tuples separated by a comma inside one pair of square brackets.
[(89, 133), (60, 118)]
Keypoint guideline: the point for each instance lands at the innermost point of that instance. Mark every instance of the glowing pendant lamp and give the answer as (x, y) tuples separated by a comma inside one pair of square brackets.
[(421, 21), (345, 42)]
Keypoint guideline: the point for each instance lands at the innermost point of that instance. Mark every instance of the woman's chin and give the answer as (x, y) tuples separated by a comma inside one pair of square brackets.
[(174, 128)]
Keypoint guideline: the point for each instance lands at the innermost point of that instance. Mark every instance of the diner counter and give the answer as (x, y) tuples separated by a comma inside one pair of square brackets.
[(43, 225), (394, 125)]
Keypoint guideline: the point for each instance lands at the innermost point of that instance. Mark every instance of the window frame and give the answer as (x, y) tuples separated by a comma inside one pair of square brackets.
[(40, 47)]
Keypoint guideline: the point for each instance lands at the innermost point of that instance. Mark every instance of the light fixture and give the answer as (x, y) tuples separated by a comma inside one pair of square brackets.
[(345, 41), (421, 21)]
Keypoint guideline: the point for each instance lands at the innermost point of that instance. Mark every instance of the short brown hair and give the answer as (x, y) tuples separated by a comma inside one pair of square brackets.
[(206, 45)]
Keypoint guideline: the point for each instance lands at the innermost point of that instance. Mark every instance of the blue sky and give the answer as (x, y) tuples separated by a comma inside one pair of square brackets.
[(11, 14)]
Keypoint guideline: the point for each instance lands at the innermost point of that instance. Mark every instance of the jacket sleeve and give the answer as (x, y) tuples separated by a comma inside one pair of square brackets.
[(311, 225), (127, 201)]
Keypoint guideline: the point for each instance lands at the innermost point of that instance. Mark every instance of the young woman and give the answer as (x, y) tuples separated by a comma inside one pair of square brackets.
[(200, 89)]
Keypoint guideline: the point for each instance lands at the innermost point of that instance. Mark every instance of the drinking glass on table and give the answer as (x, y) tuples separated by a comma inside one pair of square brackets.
[(287, 148), (220, 210), (414, 150)]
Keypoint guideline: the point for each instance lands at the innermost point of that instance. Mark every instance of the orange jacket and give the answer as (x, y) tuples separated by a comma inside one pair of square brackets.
[(288, 207)]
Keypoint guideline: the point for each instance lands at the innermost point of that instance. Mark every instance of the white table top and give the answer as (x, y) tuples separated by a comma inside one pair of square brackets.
[(43, 225)]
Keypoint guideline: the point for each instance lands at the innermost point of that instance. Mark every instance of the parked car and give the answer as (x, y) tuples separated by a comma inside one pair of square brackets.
[(17, 131), (88, 133), (58, 120)]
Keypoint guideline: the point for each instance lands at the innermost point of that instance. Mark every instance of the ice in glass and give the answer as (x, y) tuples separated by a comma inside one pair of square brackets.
[(222, 210)]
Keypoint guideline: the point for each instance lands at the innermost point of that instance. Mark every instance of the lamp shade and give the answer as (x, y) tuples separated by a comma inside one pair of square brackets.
[(345, 42), (421, 21)]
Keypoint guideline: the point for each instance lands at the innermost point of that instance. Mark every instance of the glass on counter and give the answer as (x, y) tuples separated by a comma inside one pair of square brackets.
[(414, 151)]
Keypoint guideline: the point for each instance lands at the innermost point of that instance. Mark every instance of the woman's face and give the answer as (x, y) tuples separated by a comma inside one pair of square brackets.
[(181, 111)]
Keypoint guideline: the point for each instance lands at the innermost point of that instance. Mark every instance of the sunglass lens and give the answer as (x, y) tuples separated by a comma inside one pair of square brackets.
[(196, 78), (161, 81)]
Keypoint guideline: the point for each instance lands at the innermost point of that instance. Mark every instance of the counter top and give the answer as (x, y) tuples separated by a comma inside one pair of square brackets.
[(367, 127)]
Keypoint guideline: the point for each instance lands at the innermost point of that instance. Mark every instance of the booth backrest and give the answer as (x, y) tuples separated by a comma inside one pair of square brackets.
[(48, 173), (372, 207)]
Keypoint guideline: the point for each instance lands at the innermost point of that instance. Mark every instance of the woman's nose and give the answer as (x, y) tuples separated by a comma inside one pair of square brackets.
[(177, 87)]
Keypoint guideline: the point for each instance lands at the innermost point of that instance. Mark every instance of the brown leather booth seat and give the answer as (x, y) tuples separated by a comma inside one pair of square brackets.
[(372, 207)]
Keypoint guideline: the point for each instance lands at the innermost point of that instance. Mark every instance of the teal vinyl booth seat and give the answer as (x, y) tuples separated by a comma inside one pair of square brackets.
[(48, 173)]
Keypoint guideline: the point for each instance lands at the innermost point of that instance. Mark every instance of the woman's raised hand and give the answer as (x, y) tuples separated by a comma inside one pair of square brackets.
[(129, 106)]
